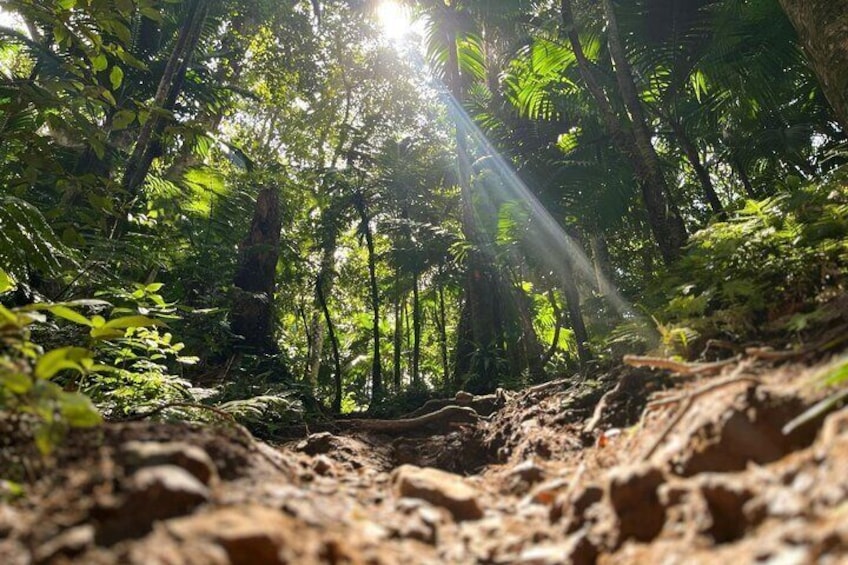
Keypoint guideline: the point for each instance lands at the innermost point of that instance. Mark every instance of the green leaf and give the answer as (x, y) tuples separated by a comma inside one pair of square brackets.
[(122, 119), (152, 13), (154, 287), (68, 314), (67, 4), (109, 329), (116, 77), (99, 62), (78, 411), (59, 359), (5, 282)]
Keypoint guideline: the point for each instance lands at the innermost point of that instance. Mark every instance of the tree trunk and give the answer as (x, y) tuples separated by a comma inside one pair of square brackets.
[(665, 218), (398, 335), (337, 361), (557, 328), (170, 86), (666, 225), (692, 155), (253, 306), (376, 363), (822, 27), (416, 332), (327, 275), (443, 335), (601, 264), (575, 317)]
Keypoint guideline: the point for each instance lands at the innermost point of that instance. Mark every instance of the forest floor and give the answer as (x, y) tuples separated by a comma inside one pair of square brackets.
[(633, 466)]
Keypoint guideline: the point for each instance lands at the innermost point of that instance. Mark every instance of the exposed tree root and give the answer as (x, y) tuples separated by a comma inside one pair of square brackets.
[(442, 418)]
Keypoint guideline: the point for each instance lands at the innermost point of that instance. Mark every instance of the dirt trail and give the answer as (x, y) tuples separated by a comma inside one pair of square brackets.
[(575, 472)]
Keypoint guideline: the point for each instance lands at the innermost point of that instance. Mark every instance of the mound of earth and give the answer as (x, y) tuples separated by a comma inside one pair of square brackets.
[(634, 466)]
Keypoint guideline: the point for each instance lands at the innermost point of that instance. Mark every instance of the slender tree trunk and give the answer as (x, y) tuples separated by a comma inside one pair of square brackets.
[(253, 306), (575, 317), (601, 264), (478, 279), (416, 331), (337, 361), (692, 155), (666, 225), (557, 328), (317, 327), (170, 86), (443, 335), (666, 219), (823, 31), (376, 364), (398, 335)]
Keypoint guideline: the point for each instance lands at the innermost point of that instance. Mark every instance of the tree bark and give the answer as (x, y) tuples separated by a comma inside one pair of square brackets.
[(398, 335), (253, 307), (575, 317), (170, 86), (557, 328), (666, 224), (666, 221), (327, 275), (337, 362), (416, 331), (822, 27), (376, 363), (443, 335), (694, 158)]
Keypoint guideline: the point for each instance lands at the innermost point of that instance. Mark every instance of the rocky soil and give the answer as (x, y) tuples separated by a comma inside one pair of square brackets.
[(634, 466)]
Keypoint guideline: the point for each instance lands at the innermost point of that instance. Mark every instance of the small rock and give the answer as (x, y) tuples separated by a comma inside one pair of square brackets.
[(156, 493), (439, 488), (316, 444), (69, 543), (633, 494), (139, 454), (322, 465)]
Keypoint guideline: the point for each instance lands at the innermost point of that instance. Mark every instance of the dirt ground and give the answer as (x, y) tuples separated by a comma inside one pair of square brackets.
[(635, 465)]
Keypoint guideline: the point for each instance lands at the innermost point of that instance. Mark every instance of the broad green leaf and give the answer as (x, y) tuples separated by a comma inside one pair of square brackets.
[(78, 411), (59, 359), (99, 62), (67, 4), (116, 77), (154, 287), (110, 329), (68, 314), (152, 13), (122, 119), (5, 282)]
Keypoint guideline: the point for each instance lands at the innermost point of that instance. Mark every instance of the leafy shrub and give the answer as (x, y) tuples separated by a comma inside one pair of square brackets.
[(774, 260)]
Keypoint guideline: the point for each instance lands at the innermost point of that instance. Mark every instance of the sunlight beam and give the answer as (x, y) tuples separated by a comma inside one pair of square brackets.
[(556, 244)]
